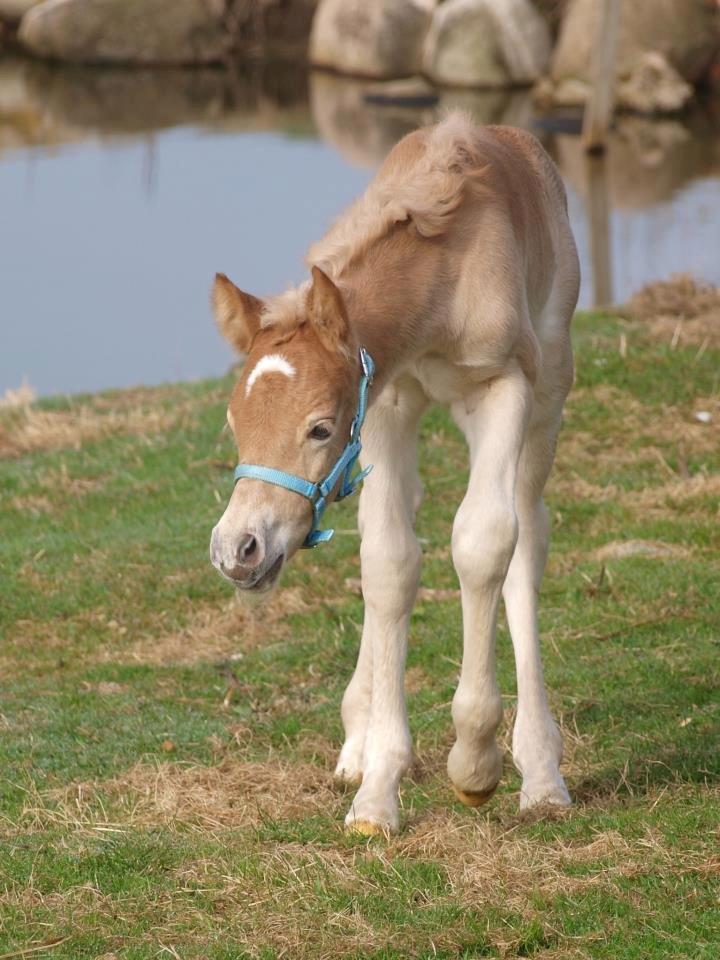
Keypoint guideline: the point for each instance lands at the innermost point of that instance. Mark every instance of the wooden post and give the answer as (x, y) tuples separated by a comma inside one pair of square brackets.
[(599, 107), (598, 213)]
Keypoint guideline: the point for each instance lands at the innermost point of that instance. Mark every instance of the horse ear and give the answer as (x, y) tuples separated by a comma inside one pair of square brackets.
[(237, 314), (326, 311)]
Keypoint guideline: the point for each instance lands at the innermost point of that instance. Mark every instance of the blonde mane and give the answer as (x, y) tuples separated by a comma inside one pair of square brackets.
[(425, 191)]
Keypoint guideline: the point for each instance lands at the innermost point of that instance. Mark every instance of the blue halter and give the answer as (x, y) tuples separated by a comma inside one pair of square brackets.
[(317, 493)]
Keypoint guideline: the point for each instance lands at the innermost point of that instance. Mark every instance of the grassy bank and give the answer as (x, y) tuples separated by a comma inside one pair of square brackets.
[(166, 755)]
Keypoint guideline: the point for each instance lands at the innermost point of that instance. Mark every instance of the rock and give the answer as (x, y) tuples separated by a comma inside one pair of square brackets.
[(486, 43), (653, 85), (570, 92), (127, 31), (12, 11), (684, 33), (370, 38)]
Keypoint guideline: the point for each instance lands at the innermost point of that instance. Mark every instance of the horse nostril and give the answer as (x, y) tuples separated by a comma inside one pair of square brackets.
[(246, 548)]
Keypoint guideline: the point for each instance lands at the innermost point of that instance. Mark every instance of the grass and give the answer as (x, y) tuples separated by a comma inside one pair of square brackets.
[(166, 755)]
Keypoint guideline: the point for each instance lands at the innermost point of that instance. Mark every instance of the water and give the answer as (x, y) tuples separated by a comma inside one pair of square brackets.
[(122, 192)]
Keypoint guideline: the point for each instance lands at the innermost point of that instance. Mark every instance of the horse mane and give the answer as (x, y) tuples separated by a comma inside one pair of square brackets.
[(424, 190)]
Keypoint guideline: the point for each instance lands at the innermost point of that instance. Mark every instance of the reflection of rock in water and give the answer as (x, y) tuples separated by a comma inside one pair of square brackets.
[(364, 132), (511, 107), (647, 160), (69, 102)]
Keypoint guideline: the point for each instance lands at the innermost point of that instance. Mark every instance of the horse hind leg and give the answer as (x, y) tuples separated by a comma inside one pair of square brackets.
[(537, 743)]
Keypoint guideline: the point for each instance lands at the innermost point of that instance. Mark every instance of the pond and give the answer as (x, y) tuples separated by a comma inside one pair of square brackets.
[(122, 192)]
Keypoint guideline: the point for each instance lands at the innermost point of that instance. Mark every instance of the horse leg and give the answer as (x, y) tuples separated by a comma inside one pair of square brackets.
[(483, 540), (537, 744), (378, 747)]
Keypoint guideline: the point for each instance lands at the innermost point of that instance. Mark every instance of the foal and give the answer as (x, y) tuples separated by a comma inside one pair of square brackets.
[(457, 273)]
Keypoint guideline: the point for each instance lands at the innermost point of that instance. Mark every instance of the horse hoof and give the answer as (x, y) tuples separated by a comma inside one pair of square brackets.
[(473, 798), (366, 828)]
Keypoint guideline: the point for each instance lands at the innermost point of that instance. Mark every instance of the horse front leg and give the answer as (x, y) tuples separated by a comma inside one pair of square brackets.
[(483, 540), (378, 748)]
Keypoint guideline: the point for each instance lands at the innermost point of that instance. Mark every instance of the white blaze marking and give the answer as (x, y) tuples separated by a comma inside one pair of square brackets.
[(270, 363)]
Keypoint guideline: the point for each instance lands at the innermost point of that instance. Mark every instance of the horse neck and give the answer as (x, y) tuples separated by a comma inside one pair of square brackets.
[(388, 296)]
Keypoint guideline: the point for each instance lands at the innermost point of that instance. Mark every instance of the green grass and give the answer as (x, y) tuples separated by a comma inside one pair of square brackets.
[(166, 756)]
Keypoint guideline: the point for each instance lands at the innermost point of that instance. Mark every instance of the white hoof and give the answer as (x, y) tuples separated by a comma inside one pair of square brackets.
[(553, 793), (370, 815)]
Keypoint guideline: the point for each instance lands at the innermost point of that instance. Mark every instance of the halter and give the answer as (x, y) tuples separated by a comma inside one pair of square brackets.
[(317, 493)]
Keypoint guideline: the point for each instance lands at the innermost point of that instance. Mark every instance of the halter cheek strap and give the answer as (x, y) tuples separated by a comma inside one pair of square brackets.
[(318, 493)]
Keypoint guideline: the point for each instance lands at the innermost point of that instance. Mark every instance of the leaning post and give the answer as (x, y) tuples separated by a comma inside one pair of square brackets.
[(599, 106)]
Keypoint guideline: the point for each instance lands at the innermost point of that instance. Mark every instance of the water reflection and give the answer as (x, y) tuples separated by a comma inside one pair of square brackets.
[(47, 103), (175, 173), (349, 117)]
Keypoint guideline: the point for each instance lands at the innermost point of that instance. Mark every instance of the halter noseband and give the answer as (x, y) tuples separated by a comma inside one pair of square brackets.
[(317, 493)]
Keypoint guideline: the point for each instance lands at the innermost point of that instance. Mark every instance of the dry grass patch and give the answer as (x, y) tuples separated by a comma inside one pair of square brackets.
[(25, 428), (664, 500), (216, 631), (639, 437), (645, 426), (619, 549), (680, 311), (28, 429), (34, 504), (60, 487), (234, 793)]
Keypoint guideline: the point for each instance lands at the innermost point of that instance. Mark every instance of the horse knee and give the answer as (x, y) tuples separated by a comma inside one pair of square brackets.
[(483, 543), (390, 572)]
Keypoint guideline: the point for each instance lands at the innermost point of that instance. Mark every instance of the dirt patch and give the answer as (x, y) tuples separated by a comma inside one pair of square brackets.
[(216, 631), (416, 679)]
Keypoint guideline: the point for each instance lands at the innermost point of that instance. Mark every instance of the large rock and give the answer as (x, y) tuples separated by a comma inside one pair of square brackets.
[(681, 35), (487, 43), (370, 38), (127, 31), (12, 11)]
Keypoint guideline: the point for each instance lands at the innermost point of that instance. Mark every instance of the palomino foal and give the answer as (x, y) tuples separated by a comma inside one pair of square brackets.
[(458, 274)]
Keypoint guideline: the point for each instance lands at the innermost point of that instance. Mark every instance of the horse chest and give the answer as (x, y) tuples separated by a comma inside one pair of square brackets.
[(446, 382)]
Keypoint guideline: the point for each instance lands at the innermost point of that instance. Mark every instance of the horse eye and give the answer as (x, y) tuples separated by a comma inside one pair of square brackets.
[(320, 432)]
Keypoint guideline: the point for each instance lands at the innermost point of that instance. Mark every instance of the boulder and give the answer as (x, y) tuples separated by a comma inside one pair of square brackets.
[(12, 11), (683, 36), (127, 31), (487, 43), (370, 38), (653, 84)]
